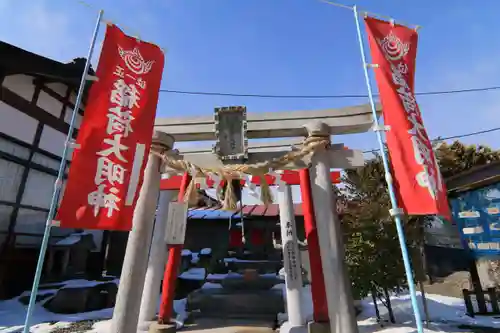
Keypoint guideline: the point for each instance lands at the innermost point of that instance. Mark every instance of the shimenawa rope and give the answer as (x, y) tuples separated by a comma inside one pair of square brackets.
[(240, 171)]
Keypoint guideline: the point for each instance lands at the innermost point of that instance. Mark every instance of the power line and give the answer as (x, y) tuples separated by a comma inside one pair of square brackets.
[(449, 137), (425, 93)]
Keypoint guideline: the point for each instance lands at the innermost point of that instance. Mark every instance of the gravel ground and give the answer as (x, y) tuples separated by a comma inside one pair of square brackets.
[(81, 326), (450, 286)]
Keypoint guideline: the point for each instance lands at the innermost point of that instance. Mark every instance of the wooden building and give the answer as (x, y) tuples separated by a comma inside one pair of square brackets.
[(36, 101), (259, 225), (445, 250), (219, 230)]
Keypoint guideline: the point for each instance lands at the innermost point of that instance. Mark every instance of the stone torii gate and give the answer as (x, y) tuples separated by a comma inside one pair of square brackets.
[(231, 128)]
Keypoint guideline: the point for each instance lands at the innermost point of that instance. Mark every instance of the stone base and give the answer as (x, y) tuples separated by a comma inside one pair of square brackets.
[(286, 328), (316, 327), (162, 328), (236, 303), (144, 326)]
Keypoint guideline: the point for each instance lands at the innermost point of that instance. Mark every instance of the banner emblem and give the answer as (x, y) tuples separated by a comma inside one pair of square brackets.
[(134, 61)]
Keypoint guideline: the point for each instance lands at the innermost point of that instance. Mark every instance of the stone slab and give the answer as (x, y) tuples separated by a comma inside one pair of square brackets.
[(209, 325), (316, 327), (222, 303), (162, 328)]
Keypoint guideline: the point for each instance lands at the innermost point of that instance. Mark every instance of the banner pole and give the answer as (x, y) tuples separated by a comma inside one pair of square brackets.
[(58, 182), (396, 212)]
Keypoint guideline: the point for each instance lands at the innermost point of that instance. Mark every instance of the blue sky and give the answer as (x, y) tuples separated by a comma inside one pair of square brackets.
[(283, 47)]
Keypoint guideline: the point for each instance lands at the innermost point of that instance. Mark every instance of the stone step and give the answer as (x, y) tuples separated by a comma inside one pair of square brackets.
[(251, 255), (227, 325), (262, 266), (223, 303)]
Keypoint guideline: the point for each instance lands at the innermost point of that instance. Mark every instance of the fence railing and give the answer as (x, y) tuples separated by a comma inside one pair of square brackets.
[(484, 302)]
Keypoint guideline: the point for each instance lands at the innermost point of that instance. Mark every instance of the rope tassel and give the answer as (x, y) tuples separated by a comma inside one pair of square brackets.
[(191, 196), (229, 197), (310, 145), (265, 192)]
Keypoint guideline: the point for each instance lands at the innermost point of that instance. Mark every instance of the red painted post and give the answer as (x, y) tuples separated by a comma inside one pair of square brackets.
[(320, 306), (172, 268)]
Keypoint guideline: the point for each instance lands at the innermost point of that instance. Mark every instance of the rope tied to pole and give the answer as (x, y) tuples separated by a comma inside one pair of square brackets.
[(228, 172)]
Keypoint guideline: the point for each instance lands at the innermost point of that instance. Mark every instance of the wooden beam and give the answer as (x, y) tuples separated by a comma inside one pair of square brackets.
[(291, 177), (66, 103)]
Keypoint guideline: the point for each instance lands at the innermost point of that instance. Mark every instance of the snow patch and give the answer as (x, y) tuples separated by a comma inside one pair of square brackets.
[(446, 313), (81, 283), (206, 251), (13, 312), (211, 285), (194, 274), (242, 260), (70, 240), (195, 258)]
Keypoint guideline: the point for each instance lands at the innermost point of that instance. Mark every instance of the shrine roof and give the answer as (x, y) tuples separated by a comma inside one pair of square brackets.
[(15, 60), (216, 213)]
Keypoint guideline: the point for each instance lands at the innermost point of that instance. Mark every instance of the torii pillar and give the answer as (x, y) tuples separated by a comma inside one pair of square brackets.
[(289, 177), (338, 287)]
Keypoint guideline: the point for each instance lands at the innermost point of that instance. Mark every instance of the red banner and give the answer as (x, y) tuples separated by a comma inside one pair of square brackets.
[(417, 179), (107, 169)]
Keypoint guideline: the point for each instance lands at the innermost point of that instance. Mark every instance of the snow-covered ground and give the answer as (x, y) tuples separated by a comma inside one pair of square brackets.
[(13, 313), (446, 314)]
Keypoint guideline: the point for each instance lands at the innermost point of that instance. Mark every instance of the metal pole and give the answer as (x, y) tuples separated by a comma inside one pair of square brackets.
[(291, 258), (172, 268), (58, 183), (157, 260), (318, 291), (396, 211), (128, 300), (337, 284)]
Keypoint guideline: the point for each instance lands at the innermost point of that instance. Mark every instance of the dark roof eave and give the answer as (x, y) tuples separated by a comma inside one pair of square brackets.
[(477, 177), (15, 60)]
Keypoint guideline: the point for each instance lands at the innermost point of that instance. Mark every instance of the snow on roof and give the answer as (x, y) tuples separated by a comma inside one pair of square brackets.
[(211, 213), (70, 240)]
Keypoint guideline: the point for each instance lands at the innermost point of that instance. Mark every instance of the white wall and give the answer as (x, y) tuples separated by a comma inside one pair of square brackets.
[(17, 124), (59, 88), (14, 149), (10, 178), (40, 185), (45, 161), (72, 99), (49, 104), (68, 115), (39, 188), (22, 85), (52, 140)]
